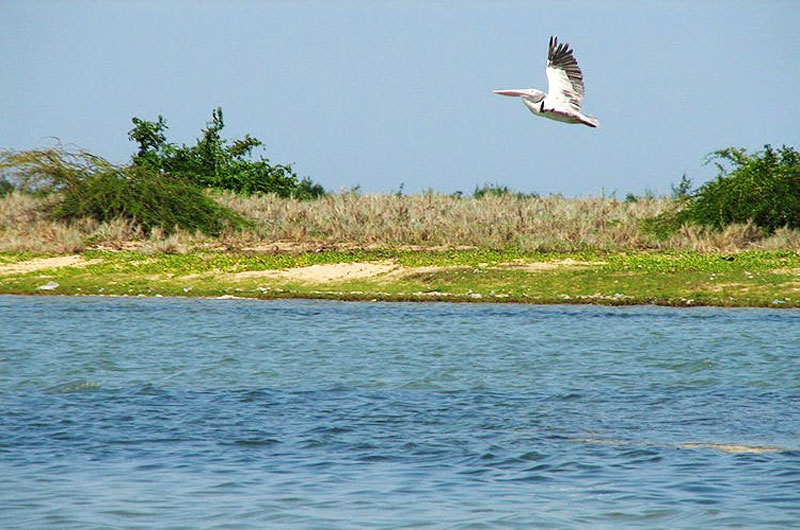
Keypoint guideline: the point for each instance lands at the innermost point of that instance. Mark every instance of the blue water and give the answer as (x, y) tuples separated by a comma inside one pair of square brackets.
[(171, 413)]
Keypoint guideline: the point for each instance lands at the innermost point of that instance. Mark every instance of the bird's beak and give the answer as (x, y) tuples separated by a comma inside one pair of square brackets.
[(515, 92)]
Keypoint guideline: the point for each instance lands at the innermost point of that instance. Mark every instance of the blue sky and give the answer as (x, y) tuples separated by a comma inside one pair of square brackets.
[(384, 93)]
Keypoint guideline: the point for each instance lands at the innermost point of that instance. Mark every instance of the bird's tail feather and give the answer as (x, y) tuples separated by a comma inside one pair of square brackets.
[(591, 121)]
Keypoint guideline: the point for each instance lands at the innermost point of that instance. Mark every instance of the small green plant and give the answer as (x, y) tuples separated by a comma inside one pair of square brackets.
[(6, 187), (215, 163), (89, 186), (497, 190), (307, 190), (630, 197), (683, 190)]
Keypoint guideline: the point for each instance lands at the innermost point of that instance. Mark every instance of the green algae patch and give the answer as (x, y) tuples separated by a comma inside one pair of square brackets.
[(756, 278)]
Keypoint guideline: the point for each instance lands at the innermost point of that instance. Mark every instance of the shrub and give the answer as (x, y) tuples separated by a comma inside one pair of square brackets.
[(763, 189), (147, 198), (496, 190), (6, 187), (43, 171), (213, 163), (90, 186), (306, 190)]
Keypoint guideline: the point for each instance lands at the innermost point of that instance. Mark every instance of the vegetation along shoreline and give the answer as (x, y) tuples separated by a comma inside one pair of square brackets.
[(687, 278), (216, 219)]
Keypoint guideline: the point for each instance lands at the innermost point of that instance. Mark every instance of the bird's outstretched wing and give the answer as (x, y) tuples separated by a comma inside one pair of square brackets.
[(564, 77)]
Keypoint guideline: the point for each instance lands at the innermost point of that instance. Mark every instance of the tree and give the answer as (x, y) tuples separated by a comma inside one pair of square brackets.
[(214, 163)]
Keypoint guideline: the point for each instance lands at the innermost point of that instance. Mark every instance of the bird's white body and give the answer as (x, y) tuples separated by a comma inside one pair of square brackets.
[(562, 102)]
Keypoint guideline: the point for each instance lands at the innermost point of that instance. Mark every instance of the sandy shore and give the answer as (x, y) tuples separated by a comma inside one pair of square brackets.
[(682, 279)]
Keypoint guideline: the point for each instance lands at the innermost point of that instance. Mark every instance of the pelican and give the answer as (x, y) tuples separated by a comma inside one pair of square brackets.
[(562, 102)]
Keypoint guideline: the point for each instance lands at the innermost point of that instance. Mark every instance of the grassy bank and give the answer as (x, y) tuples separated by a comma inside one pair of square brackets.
[(681, 278), (349, 220), (413, 247)]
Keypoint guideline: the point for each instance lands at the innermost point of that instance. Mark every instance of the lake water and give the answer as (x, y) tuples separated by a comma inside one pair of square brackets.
[(172, 413)]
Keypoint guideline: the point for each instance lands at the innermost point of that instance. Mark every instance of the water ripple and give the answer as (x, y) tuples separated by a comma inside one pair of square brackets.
[(196, 413)]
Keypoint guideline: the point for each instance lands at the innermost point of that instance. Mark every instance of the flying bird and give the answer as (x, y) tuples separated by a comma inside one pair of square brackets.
[(562, 102)]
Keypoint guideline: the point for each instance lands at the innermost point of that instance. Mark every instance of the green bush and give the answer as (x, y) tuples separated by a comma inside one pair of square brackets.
[(149, 199), (213, 163), (6, 187), (762, 188), (89, 186), (496, 190)]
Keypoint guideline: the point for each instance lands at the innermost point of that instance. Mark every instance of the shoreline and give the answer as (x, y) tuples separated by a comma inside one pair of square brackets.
[(354, 300), (664, 278)]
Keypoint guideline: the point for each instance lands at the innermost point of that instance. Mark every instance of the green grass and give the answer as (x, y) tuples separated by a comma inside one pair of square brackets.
[(7, 258), (757, 278)]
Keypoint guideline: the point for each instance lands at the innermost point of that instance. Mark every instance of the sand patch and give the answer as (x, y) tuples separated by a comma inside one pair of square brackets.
[(388, 270), (45, 263), (795, 272), (332, 272), (400, 272), (279, 247), (538, 266)]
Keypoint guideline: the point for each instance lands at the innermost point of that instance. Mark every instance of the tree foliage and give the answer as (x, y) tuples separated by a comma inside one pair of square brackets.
[(762, 188), (213, 162)]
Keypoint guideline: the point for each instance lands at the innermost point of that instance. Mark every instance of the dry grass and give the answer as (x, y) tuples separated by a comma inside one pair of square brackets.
[(349, 220), (552, 223), (26, 227)]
